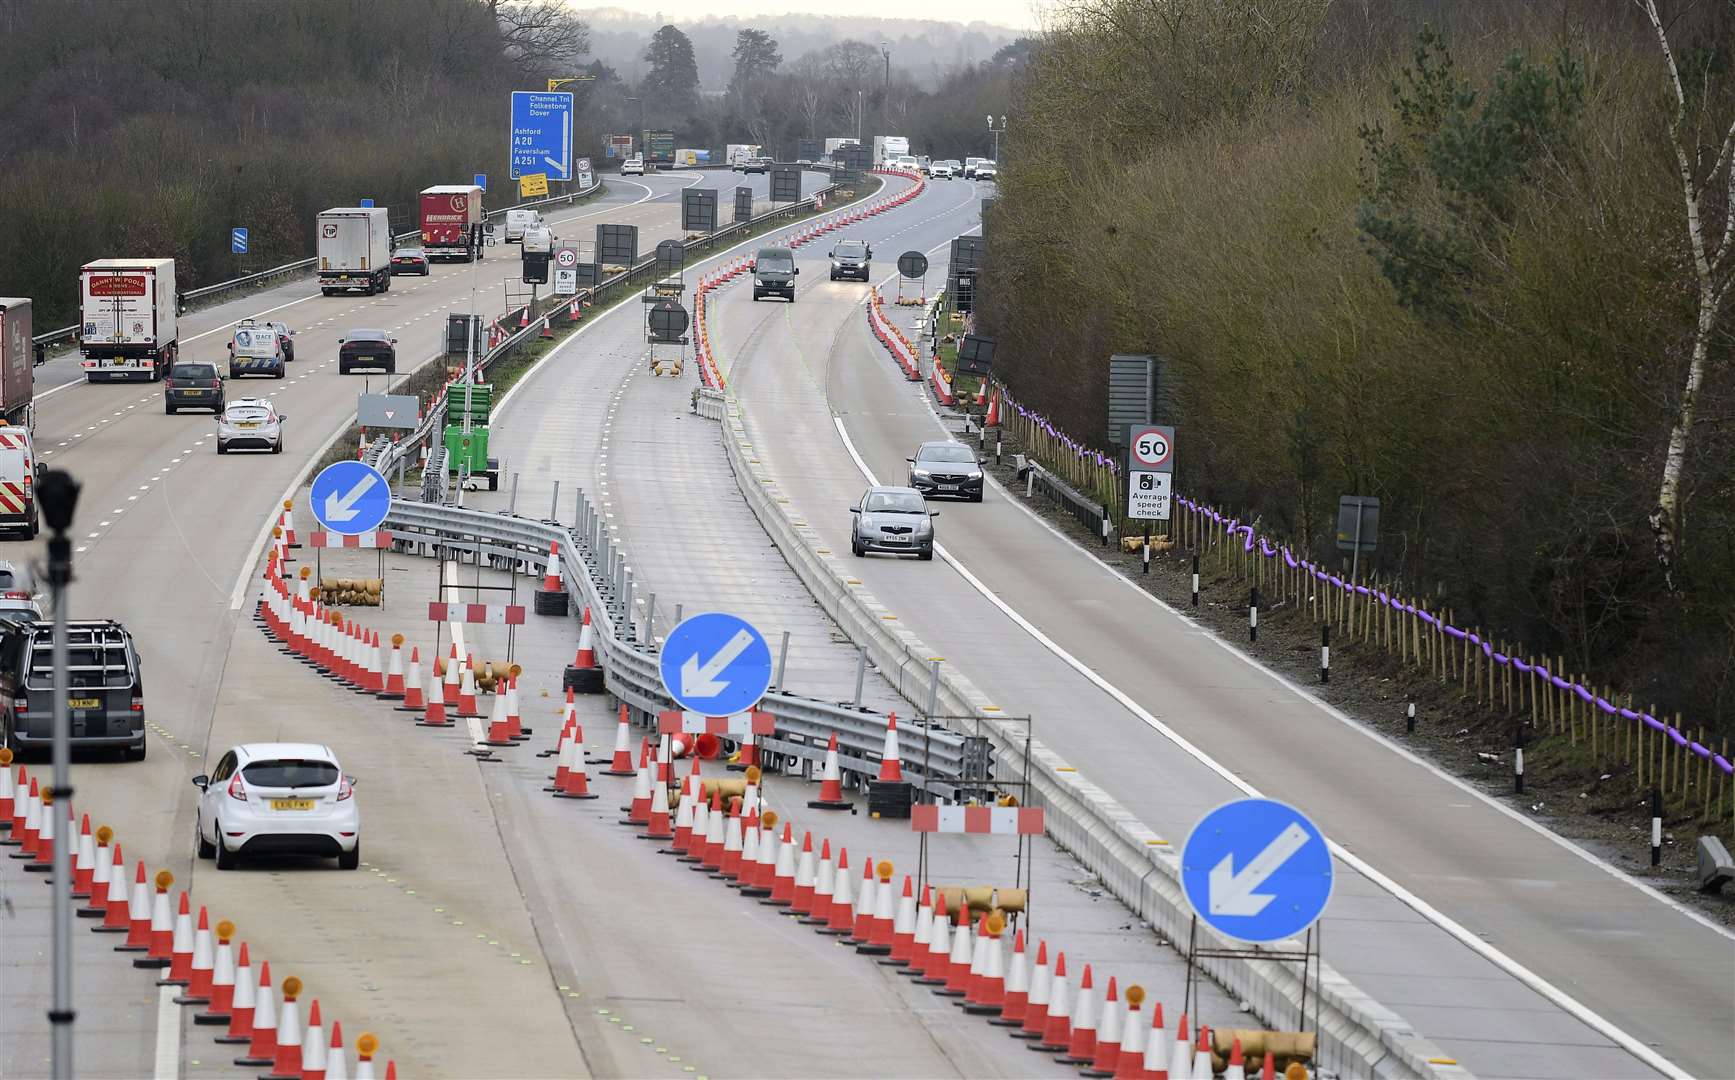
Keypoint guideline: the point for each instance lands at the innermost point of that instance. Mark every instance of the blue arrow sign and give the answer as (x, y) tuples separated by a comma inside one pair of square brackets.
[(238, 241), (716, 664), (482, 180), (350, 497), (541, 134), (367, 204), (1256, 870)]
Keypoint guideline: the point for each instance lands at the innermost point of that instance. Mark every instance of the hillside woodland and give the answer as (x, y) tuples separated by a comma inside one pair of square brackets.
[(1435, 252)]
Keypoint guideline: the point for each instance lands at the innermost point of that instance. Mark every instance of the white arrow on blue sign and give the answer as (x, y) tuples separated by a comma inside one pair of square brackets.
[(715, 664), (238, 241), (1257, 870), (541, 134), (350, 497)]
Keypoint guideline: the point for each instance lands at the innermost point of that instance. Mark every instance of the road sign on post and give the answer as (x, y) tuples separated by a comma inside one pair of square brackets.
[(743, 204), (715, 664), (350, 497), (1150, 471), (400, 411), (912, 264), (565, 271), (785, 183), (238, 241), (481, 180), (533, 186), (1256, 870), (541, 134)]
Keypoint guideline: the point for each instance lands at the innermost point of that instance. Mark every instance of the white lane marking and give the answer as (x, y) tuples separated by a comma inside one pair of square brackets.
[(1560, 998), (168, 1058)]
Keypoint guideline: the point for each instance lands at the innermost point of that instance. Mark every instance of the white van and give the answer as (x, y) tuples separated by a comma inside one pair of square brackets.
[(19, 473), (519, 220)]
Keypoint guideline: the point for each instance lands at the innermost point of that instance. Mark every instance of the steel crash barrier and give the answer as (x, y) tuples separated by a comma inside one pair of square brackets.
[(955, 765)]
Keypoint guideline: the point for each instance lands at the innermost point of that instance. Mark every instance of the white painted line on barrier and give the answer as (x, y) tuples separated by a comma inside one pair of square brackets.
[(168, 1057)]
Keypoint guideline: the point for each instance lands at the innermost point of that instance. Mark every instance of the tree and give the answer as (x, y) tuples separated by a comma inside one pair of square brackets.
[(671, 87), (755, 56), (540, 36), (1713, 269)]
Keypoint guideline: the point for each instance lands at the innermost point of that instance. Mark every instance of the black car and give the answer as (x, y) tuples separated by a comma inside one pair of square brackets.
[(851, 259), (774, 273), (946, 468), (410, 260), (759, 165), (105, 696), (367, 349), (193, 384)]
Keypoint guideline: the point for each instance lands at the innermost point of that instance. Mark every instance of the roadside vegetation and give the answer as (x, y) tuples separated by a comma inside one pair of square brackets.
[(1437, 253)]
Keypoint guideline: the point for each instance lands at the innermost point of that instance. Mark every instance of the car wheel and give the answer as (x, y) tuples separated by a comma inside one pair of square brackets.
[(976, 497), (137, 753), (351, 859), (277, 448), (226, 859), (221, 449), (926, 554), (207, 850), (281, 373), (170, 409), (342, 370), (855, 546)]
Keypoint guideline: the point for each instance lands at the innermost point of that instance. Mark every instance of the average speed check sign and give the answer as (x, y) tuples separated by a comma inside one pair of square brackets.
[(1150, 471)]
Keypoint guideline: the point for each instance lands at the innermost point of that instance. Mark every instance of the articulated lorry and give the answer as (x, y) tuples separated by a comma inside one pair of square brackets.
[(355, 250), (17, 363), (889, 147), (452, 221), (127, 319)]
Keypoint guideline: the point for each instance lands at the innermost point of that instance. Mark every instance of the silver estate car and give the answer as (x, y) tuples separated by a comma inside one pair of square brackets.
[(895, 520)]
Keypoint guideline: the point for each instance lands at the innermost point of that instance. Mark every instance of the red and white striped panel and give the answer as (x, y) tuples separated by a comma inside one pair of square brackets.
[(381, 539), (673, 721), (1000, 820), (498, 614), (14, 438), (11, 498)]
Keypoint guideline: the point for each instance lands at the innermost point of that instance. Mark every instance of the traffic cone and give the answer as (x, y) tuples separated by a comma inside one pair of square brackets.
[(978, 965), (1268, 1068), (733, 846), (891, 769), (1109, 1032), (747, 862), (957, 982), (694, 849), (1011, 1013), (336, 1062), (313, 1046), (376, 675), (665, 762), (1081, 1046), (824, 878), (138, 915), (658, 819), (1202, 1055), (221, 989), (434, 713), (1237, 1068), (862, 919), (933, 965), (842, 910), (639, 811), (806, 869), (1181, 1053), (991, 987), (46, 830), (830, 782), (1036, 1000), (1159, 1048), (262, 1047), (683, 824), (413, 700), (366, 1046), (993, 418), (880, 931), (551, 579), (241, 1003), (515, 718), (394, 688), (568, 719), (783, 872), (765, 872), (467, 691), (903, 928), (17, 799), (576, 785), (450, 685), (32, 823), (8, 793), (117, 906), (102, 874), (914, 953), (622, 764), (162, 933), (1130, 1061), (286, 1059), (201, 971), (586, 657), (499, 730), (1057, 1025), (83, 861), (181, 947), (711, 853)]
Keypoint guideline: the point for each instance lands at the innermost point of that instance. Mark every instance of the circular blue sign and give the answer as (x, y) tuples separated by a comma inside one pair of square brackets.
[(715, 664), (1257, 870), (350, 497)]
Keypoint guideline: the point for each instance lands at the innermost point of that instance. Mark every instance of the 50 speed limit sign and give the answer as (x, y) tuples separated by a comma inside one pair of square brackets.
[(1150, 448)]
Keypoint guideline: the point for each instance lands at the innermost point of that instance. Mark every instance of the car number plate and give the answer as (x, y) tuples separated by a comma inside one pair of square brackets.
[(292, 804), (248, 424), (948, 487), (84, 703)]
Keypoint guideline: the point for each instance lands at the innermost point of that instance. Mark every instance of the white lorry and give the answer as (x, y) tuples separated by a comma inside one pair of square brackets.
[(887, 148), (127, 319), (738, 154), (355, 250)]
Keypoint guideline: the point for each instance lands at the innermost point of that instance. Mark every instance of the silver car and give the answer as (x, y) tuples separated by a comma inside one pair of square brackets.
[(252, 424), (895, 520)]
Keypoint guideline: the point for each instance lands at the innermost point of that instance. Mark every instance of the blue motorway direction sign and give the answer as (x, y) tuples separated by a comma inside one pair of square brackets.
[(716, 664), (350, 497), (366, 203), (238, 241), (1256, 870), (541, 134), (482, 180)]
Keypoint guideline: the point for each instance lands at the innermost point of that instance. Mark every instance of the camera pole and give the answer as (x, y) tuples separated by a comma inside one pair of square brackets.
[(57, 492)]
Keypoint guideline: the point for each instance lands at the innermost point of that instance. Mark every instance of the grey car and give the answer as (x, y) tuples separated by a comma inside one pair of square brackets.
[(851, 258), (946, 468), (895, 520)]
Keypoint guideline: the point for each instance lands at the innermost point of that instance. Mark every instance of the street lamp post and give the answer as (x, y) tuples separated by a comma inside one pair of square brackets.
[(996, 131), (886, 99), (858, 112), (57, 493)]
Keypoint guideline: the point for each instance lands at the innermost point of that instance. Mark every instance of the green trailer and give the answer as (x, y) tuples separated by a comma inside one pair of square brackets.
[(467, 450)]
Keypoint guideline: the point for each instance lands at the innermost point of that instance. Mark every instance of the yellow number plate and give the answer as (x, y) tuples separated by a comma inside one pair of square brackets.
[(292, 804), (83, 703)]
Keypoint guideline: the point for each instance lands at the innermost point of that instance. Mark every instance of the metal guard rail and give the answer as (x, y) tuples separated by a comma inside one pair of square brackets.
[(804, 725), (54, 337)]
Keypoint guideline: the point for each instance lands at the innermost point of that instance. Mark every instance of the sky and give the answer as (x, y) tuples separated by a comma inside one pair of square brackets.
[(1018, 14)]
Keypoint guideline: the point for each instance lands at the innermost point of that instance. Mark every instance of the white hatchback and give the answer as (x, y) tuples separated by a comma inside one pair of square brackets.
[(278, 799), (252, 424)]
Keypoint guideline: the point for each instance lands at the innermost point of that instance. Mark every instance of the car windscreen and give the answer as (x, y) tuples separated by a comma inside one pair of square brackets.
[(947, 452), (193, 371), (776, 261), (896, 502), (850, 249), (364, 337), (290, 773), (407, 253)]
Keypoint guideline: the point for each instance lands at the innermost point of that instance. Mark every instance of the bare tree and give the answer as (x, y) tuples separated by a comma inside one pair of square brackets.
[(1712, 270), (540, 35)]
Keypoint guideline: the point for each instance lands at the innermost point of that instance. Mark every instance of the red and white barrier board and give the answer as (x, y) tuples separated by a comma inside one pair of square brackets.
[(999, 820), (496, 614), (381, 539), (679, 721)]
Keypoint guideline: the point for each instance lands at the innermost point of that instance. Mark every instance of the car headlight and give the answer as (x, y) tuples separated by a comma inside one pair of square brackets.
[(976, 474), (764, 281), (923, 473), (926, 525)]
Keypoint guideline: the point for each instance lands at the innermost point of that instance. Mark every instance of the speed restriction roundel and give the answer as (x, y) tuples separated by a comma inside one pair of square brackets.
[(566, 257), (1152, 448)]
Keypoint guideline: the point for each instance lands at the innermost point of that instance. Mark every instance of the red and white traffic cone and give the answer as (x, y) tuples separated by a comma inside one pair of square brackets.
[(181, 947), (639, 810), (102, 875), (551, 578), (891, 768), (806, 869), (138, 915), (1180, 1053), (84, 861), (1237, 1067), (694, 849), (286, 1063), (262, 1045), (434, 712), (586, 658), (830, 782), (201, 971), (514, 719), (336, 1060), (1202, 1054), (903, 926), (222, 979), (568, 721), (912, 955), (242, 1003), (963, 951), (413, 701), (783, 871), (160, 949), (1057, 1023), (467, 707), (683, 824), (1135, 1032), (738, 863), (451, 683), (622, 764), (1081, 1045), (1017, 986), (818, 911), (8, 793), (1108, 1036), (26, 825), (657, 819), (1036, 1000), (842, 907), (395, 688), (499, 728), (314, 1050), (933, 964), (577, 782), (862, 917), (716, 836), (116, 906), (884, 915)]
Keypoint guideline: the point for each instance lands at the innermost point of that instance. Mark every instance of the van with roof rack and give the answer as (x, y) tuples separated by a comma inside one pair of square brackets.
[(105, 687)]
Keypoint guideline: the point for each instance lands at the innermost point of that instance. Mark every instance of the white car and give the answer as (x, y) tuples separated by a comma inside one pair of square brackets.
[(278, 799), (252, 424), (633, 167), (18, 599), (940, 170), (985, 170)]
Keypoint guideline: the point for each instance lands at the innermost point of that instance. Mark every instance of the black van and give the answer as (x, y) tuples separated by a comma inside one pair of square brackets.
[(774, 273), (106, 693)]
